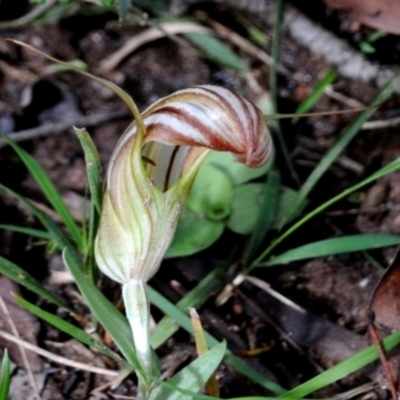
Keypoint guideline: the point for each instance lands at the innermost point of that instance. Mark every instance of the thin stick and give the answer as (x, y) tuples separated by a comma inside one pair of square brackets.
[(58, 359), (50, 128), (384, 361)]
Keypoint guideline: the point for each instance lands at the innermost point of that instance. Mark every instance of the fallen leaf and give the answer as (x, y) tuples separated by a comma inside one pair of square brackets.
[(384, 312), (385, 301)]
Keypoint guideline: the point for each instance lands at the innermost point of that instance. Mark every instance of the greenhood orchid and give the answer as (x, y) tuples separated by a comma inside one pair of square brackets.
[(151, 172), (149, 177)]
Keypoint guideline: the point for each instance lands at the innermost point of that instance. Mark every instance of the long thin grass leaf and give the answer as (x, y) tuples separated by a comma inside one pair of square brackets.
[(68, 328), (106, 313), (315, 95), (387, 169), (93, 171), (184, 321), (349, 133), (49, 190), (27, 231), (57, 235), (217, 51), (344, 368), (328, 247), (93, 166), (22, 277), (273, 76), (5, 376)]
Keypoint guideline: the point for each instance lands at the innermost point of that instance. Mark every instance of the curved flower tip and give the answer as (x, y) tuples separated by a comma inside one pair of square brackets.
[(150, 174)]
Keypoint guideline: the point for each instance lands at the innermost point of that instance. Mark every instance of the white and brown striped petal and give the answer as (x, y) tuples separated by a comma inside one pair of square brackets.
[(180, 126)]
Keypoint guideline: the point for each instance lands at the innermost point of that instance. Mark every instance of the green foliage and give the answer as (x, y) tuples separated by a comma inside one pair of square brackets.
[(5, 376), (315, 95), (219, 197), (215, 50), (192, 377), (343, 369), (328, 247)]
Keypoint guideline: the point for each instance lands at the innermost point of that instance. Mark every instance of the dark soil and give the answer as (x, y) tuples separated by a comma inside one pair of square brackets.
[(335, 291)]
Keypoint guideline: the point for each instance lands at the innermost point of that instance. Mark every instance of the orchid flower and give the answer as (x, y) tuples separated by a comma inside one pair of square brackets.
[(149, 177)]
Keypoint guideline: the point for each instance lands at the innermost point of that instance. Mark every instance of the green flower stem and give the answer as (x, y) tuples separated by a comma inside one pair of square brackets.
[(138, 314)]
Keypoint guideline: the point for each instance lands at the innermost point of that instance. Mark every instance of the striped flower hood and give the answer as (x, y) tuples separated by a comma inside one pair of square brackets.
[(153, 167)]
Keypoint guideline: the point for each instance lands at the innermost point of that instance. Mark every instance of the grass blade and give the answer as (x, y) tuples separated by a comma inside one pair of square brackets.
[(344, 368), (328, 247), (27, 231), (64, 326), (57, 235), (217, 51), (5, 376), (387, 169), (93, 171), (315, 95), (20, 276), (274, 88), (349, 133), (93, 166), (49, 190)]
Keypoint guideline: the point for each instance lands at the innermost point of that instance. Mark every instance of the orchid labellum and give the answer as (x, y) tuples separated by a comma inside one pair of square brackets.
[(149, 177)]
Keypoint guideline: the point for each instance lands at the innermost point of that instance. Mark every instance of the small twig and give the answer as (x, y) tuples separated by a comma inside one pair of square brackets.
[(242, 43), (381, 124), (149, 35), (14, 330), (58, 359), (348, 101), (53, 128), (268, 289)]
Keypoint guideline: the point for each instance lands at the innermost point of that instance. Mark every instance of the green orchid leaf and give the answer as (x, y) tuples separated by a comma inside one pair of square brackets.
[(194, 233), (246, 207), (287, 198)]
